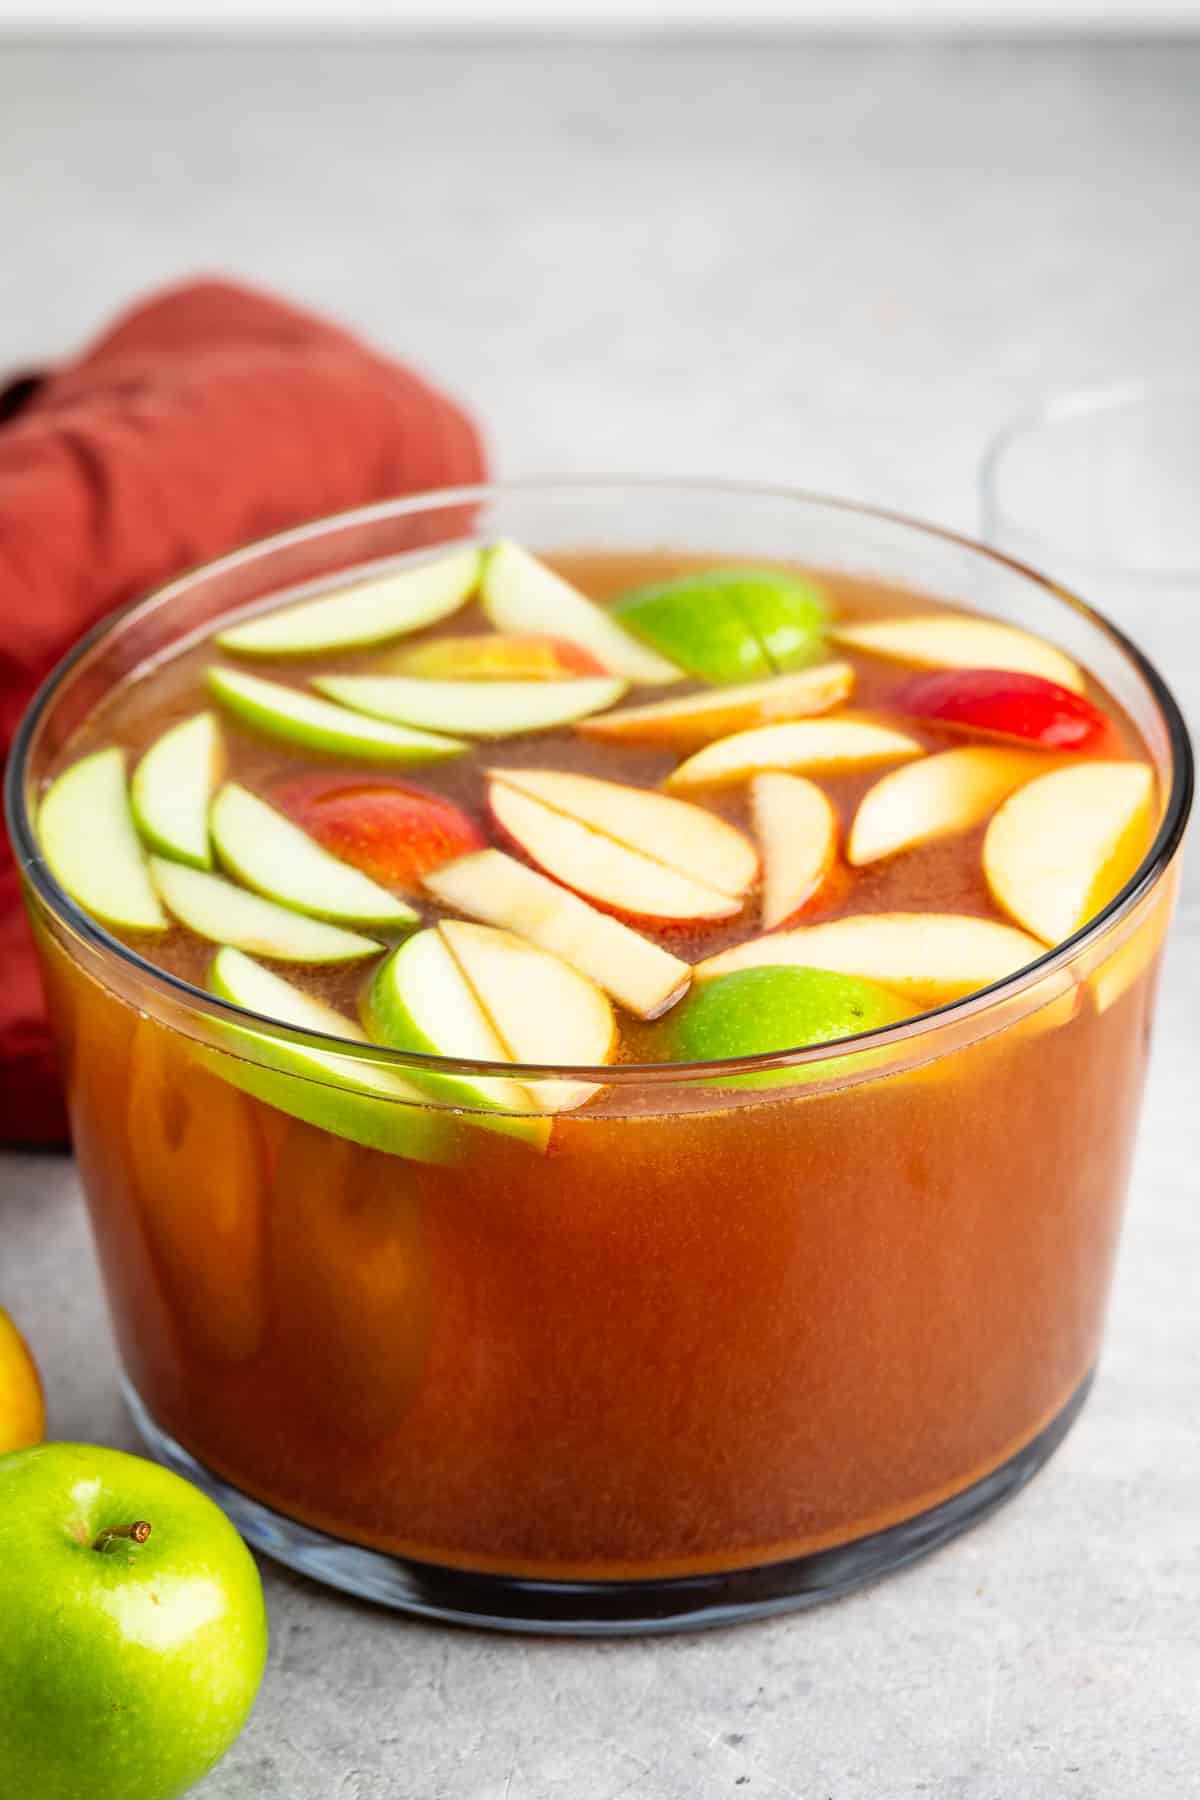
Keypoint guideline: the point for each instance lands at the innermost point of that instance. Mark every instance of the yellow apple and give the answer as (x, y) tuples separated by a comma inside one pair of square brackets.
[(22, 1407), (797, 828), (944, 640), (936, 797)]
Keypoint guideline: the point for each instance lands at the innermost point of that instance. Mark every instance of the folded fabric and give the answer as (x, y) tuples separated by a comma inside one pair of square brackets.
[(208, 416)]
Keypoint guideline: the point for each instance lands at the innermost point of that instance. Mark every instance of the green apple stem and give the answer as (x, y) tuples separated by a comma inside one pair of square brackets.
[(137, 1533)]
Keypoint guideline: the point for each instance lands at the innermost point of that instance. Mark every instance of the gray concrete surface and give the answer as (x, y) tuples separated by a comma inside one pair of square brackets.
[(840, 267)]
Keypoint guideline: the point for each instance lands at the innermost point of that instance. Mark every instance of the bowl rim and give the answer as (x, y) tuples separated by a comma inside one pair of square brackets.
[(34, 868)]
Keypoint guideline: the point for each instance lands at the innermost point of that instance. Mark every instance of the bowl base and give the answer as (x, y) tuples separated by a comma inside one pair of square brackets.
[(608, 1608)]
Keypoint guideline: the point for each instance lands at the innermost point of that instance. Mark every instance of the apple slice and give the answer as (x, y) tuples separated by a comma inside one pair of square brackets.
[(683, 724), (476, 708), (522, 595), (297, 718), (420, 1000), (543, 1010), (936, 797), (215, 909), (944, 640), (798, 830), (824, 746), (684, 837), (727, 624), (370, 612), (1061, 847), (343, 1095), (930, 958), (85, 825), (498, 890), (1003, 703), (172, 787), (268, 853), (393, 831), (493, 657), (623, 880)]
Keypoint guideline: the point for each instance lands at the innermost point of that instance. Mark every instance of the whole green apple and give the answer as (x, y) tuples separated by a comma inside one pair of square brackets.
[(133, 1632)]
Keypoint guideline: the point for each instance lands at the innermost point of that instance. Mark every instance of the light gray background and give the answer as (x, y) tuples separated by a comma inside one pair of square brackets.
[(839, 267)]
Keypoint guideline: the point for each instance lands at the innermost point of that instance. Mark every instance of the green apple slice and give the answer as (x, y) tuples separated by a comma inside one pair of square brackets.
[(87, 832), (543, 1010), (172, 787), (339, 1094), (370, 612), (274, 857), (215, 909), (296, 718), (419, 999), (522, 595), (475, 708), (730, 625)]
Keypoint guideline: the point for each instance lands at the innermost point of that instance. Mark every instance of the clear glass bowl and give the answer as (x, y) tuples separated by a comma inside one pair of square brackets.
[(719, 1350)]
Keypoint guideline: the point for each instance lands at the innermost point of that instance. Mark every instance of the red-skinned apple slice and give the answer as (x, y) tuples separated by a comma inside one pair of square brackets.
[(937, 797), (1060, 848), (393, 831), (930, 958), (810, 746), (498, 890), (620, 879), (797, 828), (945, 640), (492, 656), (1003, 703), (719, 712), (686, 838)]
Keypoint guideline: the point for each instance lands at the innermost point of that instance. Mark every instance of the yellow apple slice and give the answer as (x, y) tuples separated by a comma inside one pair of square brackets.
[(1061, 847), (798, 830), (702, 717), (930, 958), (959, 641), (599, 867), (541, 1008), (936, 797), (809, 746), (684, 837), (495, 888)]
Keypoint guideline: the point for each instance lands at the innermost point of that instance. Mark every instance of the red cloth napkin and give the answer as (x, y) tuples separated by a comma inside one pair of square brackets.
[(207, 416)]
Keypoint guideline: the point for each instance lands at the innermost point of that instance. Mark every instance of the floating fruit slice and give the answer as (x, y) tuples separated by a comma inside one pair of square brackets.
[(215, 909), (498, 890), (370, 612), (393, 832), (702, 717), (752, 1012), (798, 831), (684, 837), (1060, 848), (420, 1000), (825, 746), (494, 657), (598, 866), (543, 1010), (928, 958), (729, 624), (939, 640), (268, 853), (1003, 703), (522, 595), (87, 832), (340, 1094), (936, 797), (284, 712), (476, 708), (172, 787), (197, 1170)]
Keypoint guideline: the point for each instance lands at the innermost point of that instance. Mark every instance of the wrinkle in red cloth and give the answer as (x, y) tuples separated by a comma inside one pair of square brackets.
[(206, 417)]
